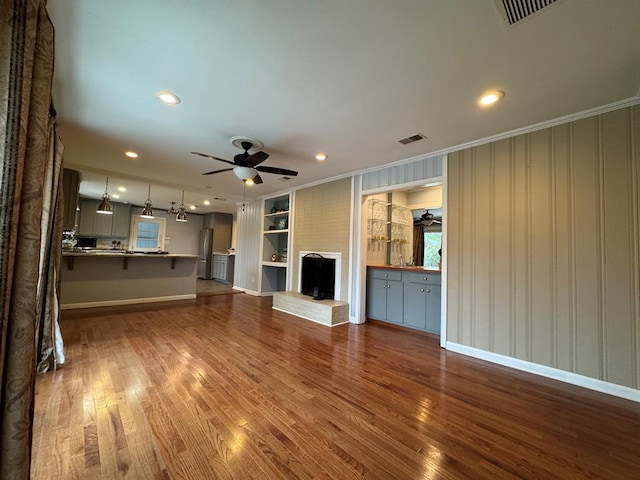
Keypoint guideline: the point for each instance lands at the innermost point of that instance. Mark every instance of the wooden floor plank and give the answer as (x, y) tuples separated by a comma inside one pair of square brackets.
[(225, 387)]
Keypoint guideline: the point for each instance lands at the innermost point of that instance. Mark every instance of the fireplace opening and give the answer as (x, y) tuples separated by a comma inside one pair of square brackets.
[(318, 276)]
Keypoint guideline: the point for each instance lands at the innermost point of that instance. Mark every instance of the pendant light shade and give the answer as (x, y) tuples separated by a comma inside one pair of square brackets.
[(105, 207), (182, 214), (146, 211), (172, 210)]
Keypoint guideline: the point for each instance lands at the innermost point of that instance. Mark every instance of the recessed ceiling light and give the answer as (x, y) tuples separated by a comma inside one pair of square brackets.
[(122, 189), (491, 97), (207, 202), (115, 195), (321, 156), (192, 207), (168, 98), (131, 154)]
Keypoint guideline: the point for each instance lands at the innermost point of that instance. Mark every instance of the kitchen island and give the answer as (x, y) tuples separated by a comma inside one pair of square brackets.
[(113, 277)]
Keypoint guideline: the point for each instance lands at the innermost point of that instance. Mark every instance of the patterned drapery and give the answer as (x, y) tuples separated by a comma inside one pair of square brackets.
[(418, 245), (29, 218)]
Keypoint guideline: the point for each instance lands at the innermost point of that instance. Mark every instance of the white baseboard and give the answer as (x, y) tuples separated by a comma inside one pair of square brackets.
[(549, 372), (127, 301), (248, 292)]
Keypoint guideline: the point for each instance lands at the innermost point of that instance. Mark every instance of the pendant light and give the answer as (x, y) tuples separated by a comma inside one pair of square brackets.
[(172, 210), (105, 205), (146, 211), (182, 215)]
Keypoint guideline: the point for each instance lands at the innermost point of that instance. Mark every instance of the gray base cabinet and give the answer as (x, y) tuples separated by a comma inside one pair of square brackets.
[(222, 269), (407, 298), (382, 296)]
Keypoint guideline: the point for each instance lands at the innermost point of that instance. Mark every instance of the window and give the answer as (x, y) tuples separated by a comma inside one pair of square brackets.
[(147, 234), (432, 243)]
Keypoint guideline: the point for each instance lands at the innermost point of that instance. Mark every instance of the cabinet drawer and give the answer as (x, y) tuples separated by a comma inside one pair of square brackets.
[(385, 274), (421, 277)]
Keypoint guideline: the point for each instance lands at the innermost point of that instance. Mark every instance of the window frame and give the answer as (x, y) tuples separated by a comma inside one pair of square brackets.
[(133, 239)]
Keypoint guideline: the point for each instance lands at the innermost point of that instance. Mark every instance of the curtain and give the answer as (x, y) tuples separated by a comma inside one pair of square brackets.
[(418, 245), (29, 189)]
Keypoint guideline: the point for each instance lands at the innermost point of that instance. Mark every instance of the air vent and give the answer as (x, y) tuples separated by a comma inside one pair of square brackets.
[(220, 199), (284, 179), (514, 11), (412, 138)]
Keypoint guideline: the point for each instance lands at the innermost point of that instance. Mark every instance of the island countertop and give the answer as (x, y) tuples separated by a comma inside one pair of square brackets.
[(121, 253)]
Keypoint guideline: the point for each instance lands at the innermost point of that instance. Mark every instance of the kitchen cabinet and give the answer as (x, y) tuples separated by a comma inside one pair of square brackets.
[(404, 297), (223, 268), (70, 187), (94, 224), (421, 301), (275, 244), (384, 294)]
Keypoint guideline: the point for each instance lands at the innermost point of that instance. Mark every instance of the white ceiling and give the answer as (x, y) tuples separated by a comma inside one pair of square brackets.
[(349, 78)]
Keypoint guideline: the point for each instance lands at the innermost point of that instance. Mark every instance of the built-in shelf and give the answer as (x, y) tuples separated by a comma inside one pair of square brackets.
[(275, 244), (277, 214), (275, 264)]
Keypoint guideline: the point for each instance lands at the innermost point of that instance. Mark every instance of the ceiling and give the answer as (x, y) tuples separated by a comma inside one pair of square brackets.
[(347, 78)]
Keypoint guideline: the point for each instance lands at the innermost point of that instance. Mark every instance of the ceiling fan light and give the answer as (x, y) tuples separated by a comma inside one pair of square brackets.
[(244, 173)]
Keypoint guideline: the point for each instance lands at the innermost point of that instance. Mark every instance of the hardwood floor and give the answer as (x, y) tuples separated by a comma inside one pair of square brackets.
[(225, 387)]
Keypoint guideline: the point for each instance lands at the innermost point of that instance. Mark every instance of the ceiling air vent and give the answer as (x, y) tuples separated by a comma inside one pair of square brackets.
[(514, 11), (284, 179), (412, 138)]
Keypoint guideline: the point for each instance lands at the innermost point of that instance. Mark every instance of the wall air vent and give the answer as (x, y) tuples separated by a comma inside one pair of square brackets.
[(514, 11), (412, 138)]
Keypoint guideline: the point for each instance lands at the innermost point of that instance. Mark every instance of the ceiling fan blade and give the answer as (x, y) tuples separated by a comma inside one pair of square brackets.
[(256, 159), (218, 171), (277, 171), (257, 179), (215, 158)]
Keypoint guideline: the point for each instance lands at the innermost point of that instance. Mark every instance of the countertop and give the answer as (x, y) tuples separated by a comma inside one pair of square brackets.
[(405, 269), (121, 254)]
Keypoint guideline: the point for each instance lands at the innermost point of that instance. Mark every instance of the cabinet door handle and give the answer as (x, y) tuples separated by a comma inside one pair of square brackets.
[(428, 290), (424, 278), (386, 274), (422, 289)]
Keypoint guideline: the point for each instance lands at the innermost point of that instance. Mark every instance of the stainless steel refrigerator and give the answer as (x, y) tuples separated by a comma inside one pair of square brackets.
[(205, 254), (216, 239)]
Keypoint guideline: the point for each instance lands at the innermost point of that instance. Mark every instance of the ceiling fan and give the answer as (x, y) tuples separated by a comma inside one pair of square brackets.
[(428, 219), (246, 166)]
